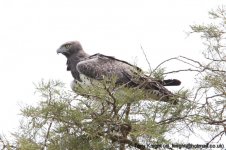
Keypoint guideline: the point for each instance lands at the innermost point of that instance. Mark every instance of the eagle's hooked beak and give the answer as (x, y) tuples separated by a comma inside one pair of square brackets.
[(62, 50)]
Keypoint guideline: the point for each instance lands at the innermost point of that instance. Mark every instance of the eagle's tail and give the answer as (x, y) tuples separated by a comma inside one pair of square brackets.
[(170, 82), (155, 90)]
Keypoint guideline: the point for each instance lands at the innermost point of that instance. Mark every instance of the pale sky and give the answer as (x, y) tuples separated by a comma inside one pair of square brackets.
[(31, 31)]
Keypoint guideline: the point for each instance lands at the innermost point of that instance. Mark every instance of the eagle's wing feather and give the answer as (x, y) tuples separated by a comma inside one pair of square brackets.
[(99, 66)]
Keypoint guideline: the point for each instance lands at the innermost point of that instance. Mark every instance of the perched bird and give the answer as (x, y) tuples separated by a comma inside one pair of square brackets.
[(86, 68)]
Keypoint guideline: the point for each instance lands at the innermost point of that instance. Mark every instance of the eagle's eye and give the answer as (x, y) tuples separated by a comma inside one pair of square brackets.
[(67, 46)]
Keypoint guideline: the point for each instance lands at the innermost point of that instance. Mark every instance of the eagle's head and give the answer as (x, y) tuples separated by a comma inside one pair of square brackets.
[(70, 48)]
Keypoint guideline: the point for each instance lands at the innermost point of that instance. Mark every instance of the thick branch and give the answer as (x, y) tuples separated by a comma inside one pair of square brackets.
[(47, 135), (122, 140)]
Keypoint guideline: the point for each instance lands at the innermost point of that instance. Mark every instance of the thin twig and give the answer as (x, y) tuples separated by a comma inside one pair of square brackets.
[(164, 62), (146, 58), (182, 70), (222, 132)]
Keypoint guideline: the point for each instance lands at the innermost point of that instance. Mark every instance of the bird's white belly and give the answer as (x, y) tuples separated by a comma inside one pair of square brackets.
[(85, 83), (85, 80)]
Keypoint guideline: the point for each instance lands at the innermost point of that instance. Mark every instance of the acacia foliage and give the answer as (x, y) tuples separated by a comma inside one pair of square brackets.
[(106, 119), (210, 93)]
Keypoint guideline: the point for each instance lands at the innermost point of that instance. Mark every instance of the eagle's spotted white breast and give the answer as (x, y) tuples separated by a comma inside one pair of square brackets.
[(84, 82)]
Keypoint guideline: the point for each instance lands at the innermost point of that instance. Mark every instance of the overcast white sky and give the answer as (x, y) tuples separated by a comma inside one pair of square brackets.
[(31, 31)]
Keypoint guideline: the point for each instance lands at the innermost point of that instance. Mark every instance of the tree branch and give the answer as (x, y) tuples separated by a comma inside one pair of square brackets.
[(120, 139), (222, 132)]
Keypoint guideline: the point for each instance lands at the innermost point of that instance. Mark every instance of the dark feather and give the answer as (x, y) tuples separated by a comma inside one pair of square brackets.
[(170, 82), (98, 66)]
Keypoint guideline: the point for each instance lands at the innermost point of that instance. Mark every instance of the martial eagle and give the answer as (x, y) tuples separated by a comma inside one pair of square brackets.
[(98, 66)]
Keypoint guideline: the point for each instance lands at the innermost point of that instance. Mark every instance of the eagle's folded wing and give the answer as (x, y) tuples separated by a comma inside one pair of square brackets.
[(99, 66)]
